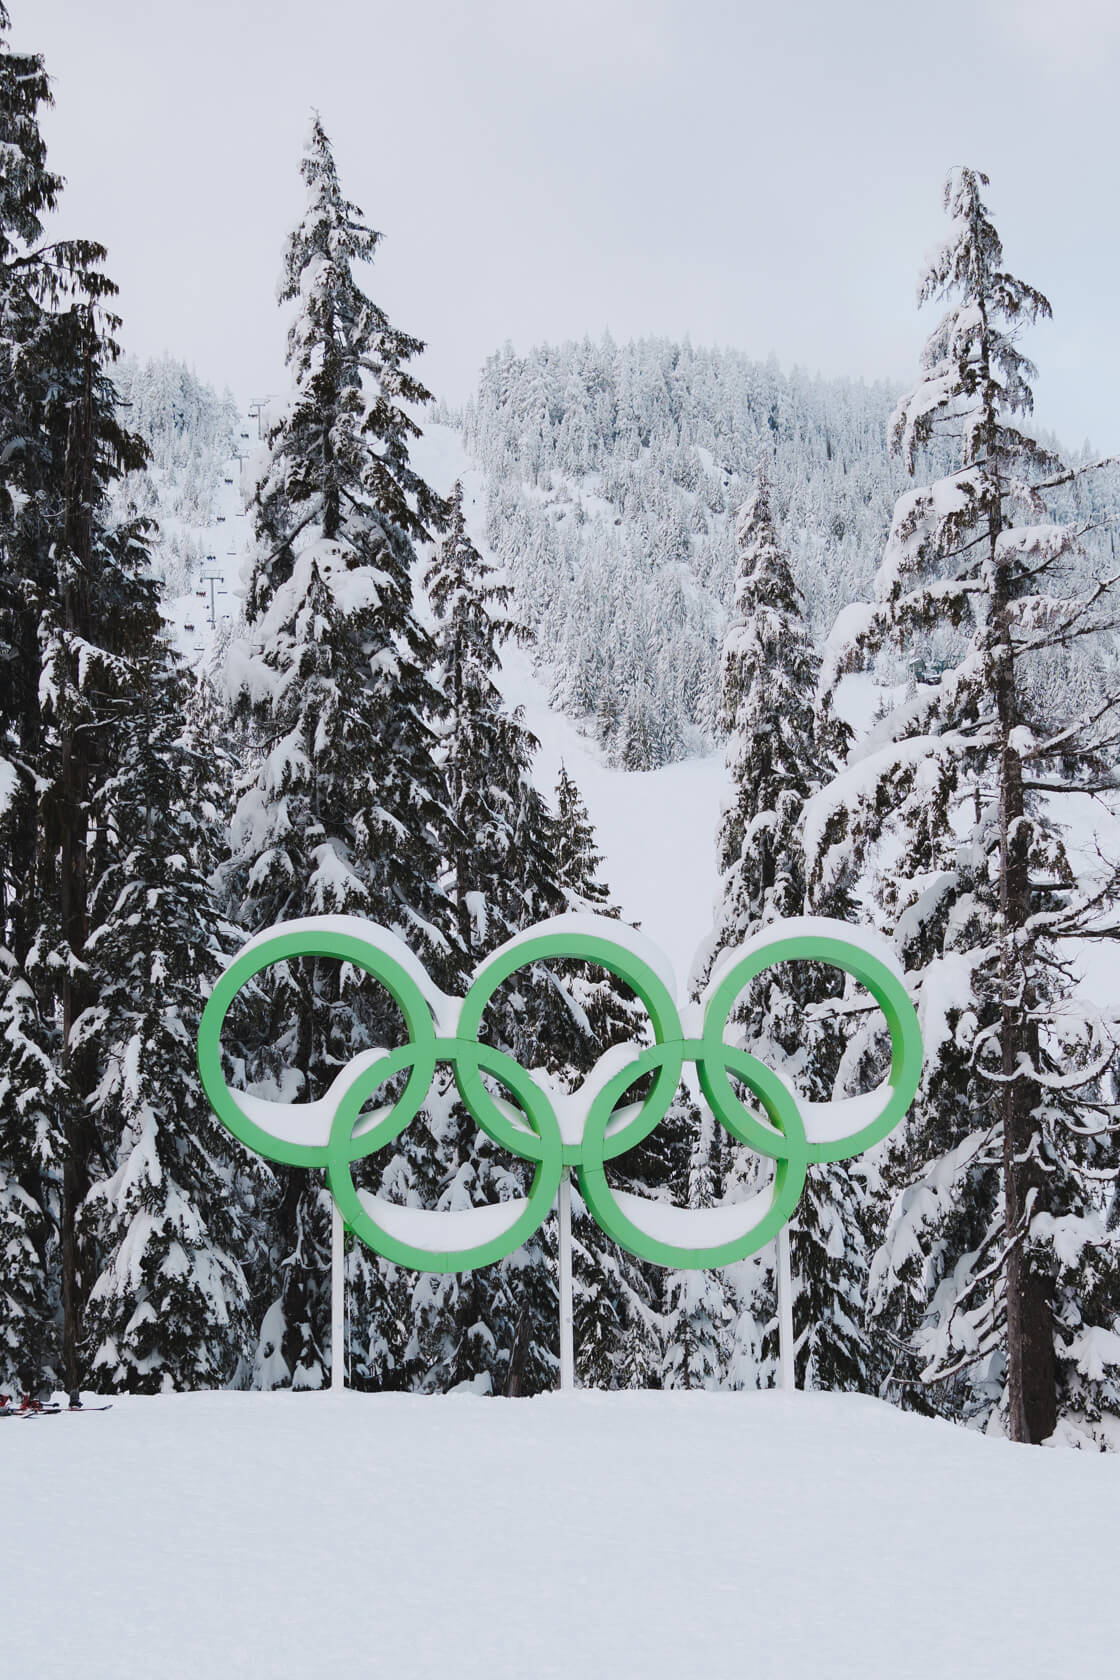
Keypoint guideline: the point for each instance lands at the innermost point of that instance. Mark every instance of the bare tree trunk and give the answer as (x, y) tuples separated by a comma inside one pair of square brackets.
[(75, 1173), (74, 774), (1031, 1372), (1031, 1367), (518, 1354)]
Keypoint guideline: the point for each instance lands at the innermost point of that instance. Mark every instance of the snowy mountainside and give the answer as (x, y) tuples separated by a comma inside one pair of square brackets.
[(656, 827), (195, 440), (615, 474), (653, 1535)]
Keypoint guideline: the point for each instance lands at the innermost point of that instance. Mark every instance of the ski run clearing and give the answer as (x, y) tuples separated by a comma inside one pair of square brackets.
[(640, 1536)]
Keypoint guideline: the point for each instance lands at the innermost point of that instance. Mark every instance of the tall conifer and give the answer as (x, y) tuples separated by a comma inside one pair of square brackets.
[(344, 807), (168, 1308), (990, 1285), (777, 755), (75, 606)]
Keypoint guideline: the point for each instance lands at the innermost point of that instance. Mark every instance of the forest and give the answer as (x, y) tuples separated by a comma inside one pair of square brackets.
[(702, 552)]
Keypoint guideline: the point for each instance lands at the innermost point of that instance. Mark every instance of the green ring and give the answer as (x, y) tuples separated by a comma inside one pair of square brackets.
[(885, 987), (282, 947), (627, 966), (546, 1153), (539, 1139), (788, 1148)]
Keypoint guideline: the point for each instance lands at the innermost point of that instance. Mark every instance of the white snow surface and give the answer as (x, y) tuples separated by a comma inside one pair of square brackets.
[(656, 829), (9, 782), (443, 1230), (356, 927), (307, 1123), (827, 1122), (579, 925), (688, 1227), (643, 1536)]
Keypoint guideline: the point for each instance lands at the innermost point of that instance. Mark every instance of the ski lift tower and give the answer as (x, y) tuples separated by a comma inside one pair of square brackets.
[(257, 409), (213, 579)]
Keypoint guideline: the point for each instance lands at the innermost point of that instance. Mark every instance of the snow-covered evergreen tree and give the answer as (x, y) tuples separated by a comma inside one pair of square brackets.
[(991, 1281), (31, 1090), (75, 606), (502, 867), (95, 620), (767, 692), (344, 808), (498, 876), (777, 756), (701, 1309), (30, 1163), (577, 860), (169, 1308)]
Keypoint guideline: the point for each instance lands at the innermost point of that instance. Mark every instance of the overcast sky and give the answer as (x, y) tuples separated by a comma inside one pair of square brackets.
[(763, 175)]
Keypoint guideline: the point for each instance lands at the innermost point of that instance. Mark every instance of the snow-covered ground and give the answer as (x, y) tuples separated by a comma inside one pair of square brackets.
[(632, 1536), (656, 829)]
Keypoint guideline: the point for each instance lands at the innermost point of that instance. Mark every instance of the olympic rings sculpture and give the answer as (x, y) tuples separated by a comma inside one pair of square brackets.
[(584, 1130)]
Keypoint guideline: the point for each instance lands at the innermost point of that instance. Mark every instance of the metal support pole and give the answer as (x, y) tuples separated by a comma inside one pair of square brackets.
[(338, 1299), (213, 579), (567, 1333), (784, 1285)]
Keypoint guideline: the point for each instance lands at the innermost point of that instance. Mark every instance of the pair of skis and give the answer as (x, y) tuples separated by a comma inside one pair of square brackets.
[(49, 1410)]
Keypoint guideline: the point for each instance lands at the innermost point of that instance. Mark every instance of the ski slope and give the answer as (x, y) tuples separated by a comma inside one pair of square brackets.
[(634, 1536), (200, 619), (656, 829)]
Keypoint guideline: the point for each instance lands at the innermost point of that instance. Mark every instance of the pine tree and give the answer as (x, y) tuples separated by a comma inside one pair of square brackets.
[(499, 879), (768, 686), (699, 1314), (41, 379), (990, 1283), (619, 1299), (30, 1162), (777, 755), (511, 868), (74, 606), (169, 1307), (520, 866), (699, 1307), (577, 861), (100, 614), (344, 809), (31, 1091), (502, 868), (338, 459)]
